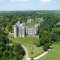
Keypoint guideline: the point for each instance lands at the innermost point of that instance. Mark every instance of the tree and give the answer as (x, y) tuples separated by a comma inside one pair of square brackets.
[(8, 51)]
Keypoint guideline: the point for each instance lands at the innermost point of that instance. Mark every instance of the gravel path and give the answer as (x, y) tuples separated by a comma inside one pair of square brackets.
[(27, 56), (41, 55)]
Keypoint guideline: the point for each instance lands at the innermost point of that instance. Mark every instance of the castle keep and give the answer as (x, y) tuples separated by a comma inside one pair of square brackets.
[(22, 29)]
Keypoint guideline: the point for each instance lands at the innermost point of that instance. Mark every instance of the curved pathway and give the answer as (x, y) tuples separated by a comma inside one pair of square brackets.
[(40, 55), (27, 56)]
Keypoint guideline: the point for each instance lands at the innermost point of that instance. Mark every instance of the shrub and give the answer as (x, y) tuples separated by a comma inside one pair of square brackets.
[(31, 52), (46, 46)]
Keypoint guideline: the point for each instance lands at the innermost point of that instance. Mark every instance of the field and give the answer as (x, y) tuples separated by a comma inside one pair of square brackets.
[(28, 42), (54, 54)]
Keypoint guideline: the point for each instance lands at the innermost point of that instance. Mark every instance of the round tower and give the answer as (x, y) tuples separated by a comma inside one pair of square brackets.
[(22, 30), (15, 31)]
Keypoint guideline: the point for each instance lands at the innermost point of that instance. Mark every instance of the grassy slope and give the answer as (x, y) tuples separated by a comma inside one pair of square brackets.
[(34, 50), (53, 54), (28, 42), (25, 40)]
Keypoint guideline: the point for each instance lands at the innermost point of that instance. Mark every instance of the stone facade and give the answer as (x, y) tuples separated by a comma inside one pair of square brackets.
[(21, 29)]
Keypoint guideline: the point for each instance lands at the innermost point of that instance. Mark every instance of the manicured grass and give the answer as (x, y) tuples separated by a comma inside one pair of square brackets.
[(25, 40), (32, 23), (28, 42), (35, 21), (33, 50), (54, 54)]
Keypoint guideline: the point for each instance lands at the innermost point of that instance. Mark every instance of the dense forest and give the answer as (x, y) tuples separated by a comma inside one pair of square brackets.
[(9, 50), (49, 31)]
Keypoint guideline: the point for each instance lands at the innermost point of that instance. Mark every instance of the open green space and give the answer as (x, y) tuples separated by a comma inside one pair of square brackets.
[(33, 50), (28, 42), (33, 22), (54, 54), (25, 40)]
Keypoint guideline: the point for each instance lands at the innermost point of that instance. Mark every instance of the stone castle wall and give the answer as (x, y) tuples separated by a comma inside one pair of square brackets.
[(21, 30)]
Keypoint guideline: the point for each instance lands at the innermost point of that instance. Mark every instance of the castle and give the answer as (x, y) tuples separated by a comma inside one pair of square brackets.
[(22, 29)]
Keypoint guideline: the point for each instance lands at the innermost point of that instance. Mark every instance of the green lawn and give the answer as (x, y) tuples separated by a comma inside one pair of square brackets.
[(32, 23), (54, 54), (25, 40), (33, 50), (28, 42), (35, 21)]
